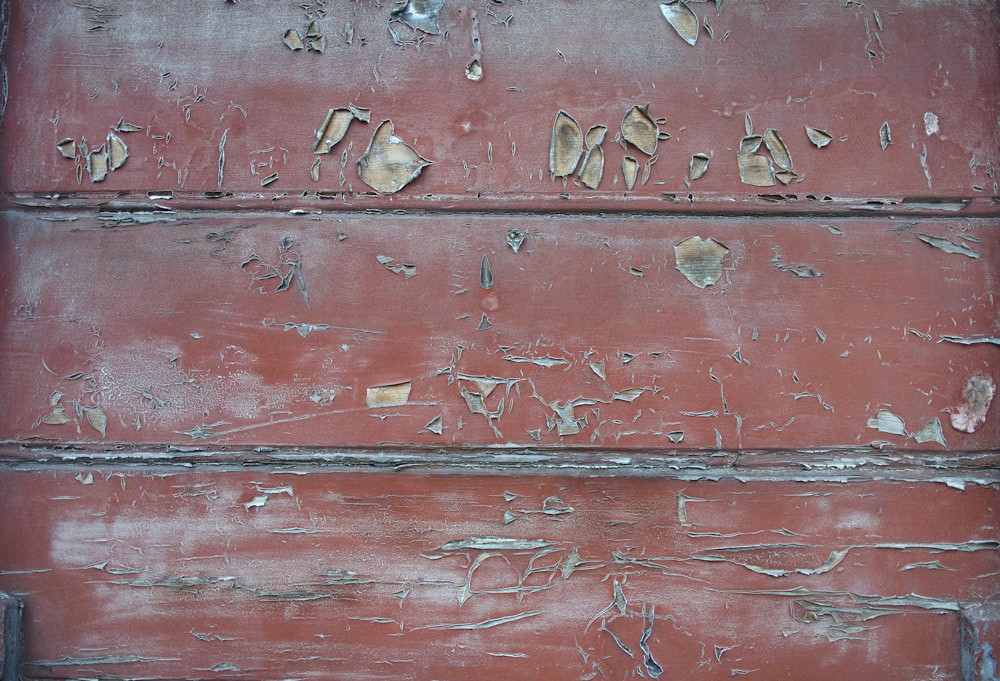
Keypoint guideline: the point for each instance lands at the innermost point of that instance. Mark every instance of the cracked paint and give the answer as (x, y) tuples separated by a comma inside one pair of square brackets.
[(360, 498)]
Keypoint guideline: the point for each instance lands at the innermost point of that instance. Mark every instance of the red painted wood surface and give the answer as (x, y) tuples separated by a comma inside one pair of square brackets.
[(384, 575), (160, 328), (76, 69), (261, 421)]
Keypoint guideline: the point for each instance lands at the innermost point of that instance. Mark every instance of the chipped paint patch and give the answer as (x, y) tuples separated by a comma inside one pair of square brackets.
[(700, 260), (978, 393), (681, 19), (566, 146), (393, 395), (389, 164), (948, 246)]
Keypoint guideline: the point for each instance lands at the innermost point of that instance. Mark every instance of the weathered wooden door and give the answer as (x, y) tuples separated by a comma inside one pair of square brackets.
[(449, 339)]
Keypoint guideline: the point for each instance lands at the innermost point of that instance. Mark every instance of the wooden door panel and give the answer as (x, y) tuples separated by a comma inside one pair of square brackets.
[(434, 404), (208, 331), (221, 79), (171, 574)]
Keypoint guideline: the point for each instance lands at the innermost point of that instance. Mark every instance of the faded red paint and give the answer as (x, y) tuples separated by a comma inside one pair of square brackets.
[(764, 451), (181, 348), (340, 573), (226, 71)]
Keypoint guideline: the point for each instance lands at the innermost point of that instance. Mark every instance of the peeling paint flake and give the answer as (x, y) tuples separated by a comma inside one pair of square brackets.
[(682, 19), (566, 147), (494, 544), (619, 601), (887, 422), (885, 136), (948, 246), (652, 667), (106, 659), (394, 395), (435, 425), (819, 138), (389, 262), (97, 419), (485, 624), (779, 152), (485, 274), (67, 147), (117, 151), (640, 130), (592, 169), (305, 329), (932, 432), (599, 369), (420, 15), (389, 164), (700, 260), (755, 169), (629, 395), (97, 164), (515, 238), (335, 127), (630, 171), (546, 361), (931, 124), (475, 402), (698, 166), (293, 40), (994, 340)]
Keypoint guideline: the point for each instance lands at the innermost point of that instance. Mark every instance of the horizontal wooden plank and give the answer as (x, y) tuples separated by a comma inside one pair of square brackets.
[(364, 330), (196, 84), (304, 573)]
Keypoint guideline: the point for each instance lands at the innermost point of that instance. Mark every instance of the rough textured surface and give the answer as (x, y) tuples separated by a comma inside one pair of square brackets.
[(980, 628), (399, 575), (269, 329), (718, 407), (222, 78)]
